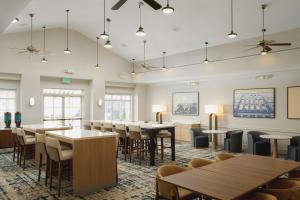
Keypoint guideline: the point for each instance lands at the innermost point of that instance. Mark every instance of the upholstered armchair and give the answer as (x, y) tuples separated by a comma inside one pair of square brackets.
[(294, 149), (233, 141), (198, 138), (258, 145)]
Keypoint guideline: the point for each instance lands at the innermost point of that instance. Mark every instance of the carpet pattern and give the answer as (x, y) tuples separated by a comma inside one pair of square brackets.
[(135, 181)]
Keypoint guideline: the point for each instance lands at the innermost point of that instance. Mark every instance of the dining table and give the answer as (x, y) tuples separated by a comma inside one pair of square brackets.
[(232, 178), (275, 139)]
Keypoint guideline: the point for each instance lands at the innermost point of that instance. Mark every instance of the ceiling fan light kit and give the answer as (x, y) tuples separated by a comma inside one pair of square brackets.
[(168, 9)]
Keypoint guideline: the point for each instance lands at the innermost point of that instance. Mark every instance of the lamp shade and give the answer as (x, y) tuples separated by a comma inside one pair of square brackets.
[(158, 108), (211, 108)]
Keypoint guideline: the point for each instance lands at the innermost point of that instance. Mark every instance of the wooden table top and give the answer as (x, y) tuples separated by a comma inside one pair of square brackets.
[(232, 178), (44, 127)]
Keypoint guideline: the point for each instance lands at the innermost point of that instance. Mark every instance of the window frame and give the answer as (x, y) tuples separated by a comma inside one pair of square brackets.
[(15, 104), (122, 100)]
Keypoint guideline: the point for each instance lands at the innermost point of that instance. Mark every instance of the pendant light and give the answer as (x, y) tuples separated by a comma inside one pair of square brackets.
[(164, 62), (232, 34), (15, 20), (67, 50), (97, 66), (133, 72), (206, 60), (168, 9), (44, 60), (140, 32), (264, 51), (107, 43), (104, 35)]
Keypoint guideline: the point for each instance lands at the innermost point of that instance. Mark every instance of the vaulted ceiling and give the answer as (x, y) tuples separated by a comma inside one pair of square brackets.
[(193, 22)]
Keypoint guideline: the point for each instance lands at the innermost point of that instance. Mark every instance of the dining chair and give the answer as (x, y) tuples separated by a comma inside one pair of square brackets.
[(170, 191), (16, 144), (123, 139), (25, 141), (284, 189), (163, 135), (223, 156), (137, 142), (199, 162), (258, 196), (107, 126), (56, 154), (41, 148)]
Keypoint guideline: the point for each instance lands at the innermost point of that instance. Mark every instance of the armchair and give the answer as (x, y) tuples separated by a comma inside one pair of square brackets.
[(258, 145), (198, 138), (233, 141), (294, 149)]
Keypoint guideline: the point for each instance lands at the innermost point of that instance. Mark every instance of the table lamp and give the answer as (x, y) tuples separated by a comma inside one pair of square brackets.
[(158, 109), (212, 110)]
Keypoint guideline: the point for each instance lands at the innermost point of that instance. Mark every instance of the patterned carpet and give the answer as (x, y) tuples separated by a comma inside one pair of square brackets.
[(135, 181)]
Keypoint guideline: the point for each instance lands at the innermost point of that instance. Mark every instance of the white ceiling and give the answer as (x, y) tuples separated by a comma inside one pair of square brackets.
[(193, 22)]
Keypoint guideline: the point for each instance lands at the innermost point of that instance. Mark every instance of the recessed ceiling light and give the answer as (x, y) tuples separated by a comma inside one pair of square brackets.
[(15, 20)]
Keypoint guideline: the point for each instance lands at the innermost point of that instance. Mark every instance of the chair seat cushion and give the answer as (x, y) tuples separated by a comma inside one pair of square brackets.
[(67, 154), (29, 140), (65, 147), (201, 141)]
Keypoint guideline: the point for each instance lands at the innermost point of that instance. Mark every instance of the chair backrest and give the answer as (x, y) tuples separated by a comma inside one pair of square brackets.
[(108, 126), (259, 196), (295, 141), (285, 189), (96, 126), (234, 133), (87, 126), (199, 162), (134, 132), (224, 156), (121, 130), (14, 130), (53, 148), (167, 190), (41, 143), (21, 136)]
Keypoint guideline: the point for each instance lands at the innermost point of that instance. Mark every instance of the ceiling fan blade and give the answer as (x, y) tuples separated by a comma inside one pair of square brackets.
[(22, 52), (280, 44), (153, 4), (118, 5), (17, 48), (145, 67), (267, 48), (252, 48)]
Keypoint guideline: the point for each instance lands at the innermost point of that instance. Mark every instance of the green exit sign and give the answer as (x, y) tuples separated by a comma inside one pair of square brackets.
[(66, 80)]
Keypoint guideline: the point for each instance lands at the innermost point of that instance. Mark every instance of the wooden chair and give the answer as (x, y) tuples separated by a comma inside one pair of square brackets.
[(163, 135), (284, 189), (258, 196), (224, 156), (16, 144), (167, 190), (107, 126), (25, 141), (123, 137), (199, 162), (56, 154), (41, 148), (137, 141)]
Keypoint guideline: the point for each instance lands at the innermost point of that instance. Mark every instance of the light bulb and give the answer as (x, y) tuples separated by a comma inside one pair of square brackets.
[(168, 9), (263, 52), (140, 32)]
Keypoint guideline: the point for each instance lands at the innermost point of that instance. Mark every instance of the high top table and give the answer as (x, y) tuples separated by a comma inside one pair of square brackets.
[(230, 179), (94, 158), (275, 144)]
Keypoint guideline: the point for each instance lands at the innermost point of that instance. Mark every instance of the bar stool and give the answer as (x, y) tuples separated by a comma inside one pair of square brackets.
[(16, 144), (41, 148), (163, 134), (137, 141), (58, 155), (123, 138), (107, 126), (25, 141), (96, 126), (87, 125)]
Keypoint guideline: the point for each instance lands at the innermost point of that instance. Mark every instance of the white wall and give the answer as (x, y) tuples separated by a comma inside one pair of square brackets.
[(82, 61)]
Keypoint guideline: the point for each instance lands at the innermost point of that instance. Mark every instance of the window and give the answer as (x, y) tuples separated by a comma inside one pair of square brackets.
[(63, 105), (7, 103), (118, 107)]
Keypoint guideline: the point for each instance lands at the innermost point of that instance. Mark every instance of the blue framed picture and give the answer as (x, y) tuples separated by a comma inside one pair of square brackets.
[(254, 103)]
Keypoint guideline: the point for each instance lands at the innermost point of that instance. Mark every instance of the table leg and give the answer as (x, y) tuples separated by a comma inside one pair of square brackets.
[(152, 146), (214, 142), (275, 148), (172, 131)]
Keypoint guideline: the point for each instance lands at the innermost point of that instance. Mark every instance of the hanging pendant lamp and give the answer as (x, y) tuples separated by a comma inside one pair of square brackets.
[(206, 60), (140, 32), (97, 66), (104, 35), (133, 72), (44, 60), (164, 62), (67, 50), (107, 43), (168, 9), (232, 34)]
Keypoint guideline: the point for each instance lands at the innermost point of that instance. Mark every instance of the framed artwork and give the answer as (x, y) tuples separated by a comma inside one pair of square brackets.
[(254, 103), (185, 103), (293, 102)]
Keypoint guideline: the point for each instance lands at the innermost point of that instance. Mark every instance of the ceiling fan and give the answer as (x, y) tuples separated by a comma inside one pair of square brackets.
[(265, 44), (144, 65), (29, 49), (151, 3)]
